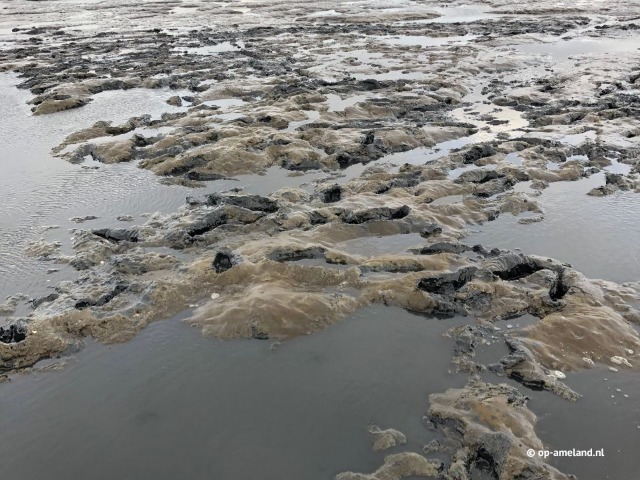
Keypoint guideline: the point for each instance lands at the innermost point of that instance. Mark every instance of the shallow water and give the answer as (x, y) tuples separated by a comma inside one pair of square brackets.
[(224, 103), (273, 178), (299, 411), (339, 104), (448, 200), (37, 189), (312, 116), (213, 49), (456, 172), (422, 155), (513, 158), (422, 40), (462, 14), (172, 404), (597, 235), (416, 156), (608, 417), (561, 50), (398, 74), (381, 245)]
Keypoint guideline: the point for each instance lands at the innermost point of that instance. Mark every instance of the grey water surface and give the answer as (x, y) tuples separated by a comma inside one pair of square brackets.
[(174, 404)]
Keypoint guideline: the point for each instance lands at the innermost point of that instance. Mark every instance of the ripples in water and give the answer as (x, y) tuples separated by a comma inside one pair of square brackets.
[(37, 189)]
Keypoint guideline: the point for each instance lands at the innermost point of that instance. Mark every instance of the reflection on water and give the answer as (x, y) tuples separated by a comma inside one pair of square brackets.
[(37, 189), (339, 104), (513, 158), (560, 50), (608, 416), (173, 404), (462, 14), (274, 178), (422, 40), (381, 245), (597, 235), (213, 49)]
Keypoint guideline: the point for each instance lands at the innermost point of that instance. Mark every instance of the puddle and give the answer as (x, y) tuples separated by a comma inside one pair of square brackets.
[(339, 104), (524, 187), (325, 13), (358, 61), (416, 156), (578, 139), (213, 49), (422, 155), (380, 245), (422, 40), (312, 116), (225, 102), (489, 119), (514, 158), (402, 74), (597, 235), (448, 200), (183, 10), (462, 14), (273, 179), (553, 166), (617, 167), (561, 50), (299, 411)]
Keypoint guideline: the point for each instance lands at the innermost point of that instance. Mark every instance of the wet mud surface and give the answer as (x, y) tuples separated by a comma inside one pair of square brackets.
[(291, 178)]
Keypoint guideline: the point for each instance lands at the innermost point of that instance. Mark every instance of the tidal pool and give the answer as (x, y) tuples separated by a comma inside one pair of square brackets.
[(38, 190), (174, 404), (597, 235)]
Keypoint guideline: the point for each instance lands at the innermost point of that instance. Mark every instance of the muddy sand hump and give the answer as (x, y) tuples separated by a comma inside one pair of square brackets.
[(386, 239)]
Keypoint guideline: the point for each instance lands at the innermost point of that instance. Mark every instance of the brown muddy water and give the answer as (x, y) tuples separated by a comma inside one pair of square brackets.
[(174, 404)]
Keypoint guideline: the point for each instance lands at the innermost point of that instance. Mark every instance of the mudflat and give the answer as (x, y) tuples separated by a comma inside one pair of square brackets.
[(358, 191)]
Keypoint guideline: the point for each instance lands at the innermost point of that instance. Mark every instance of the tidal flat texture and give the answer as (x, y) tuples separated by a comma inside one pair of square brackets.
[(363, 240)]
